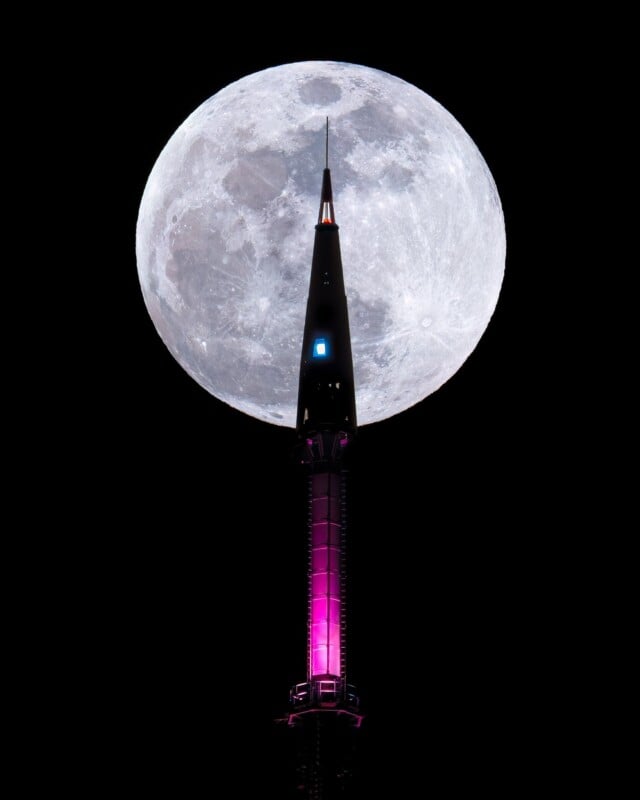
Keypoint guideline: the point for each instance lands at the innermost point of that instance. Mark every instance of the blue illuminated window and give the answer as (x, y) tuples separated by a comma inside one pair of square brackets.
[(320, 348)]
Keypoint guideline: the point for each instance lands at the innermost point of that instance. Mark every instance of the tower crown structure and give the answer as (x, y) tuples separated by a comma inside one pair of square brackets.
[(325, 707), (326, 396)]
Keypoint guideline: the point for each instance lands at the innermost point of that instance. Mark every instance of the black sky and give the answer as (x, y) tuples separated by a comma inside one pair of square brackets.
[(204, 608)]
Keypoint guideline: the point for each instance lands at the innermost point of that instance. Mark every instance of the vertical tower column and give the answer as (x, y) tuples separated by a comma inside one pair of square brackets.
[(324, 709), (326, 575), (326, 686)]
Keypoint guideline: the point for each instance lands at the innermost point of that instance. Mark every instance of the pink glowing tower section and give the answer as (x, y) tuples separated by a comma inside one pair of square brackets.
[(326, 620)]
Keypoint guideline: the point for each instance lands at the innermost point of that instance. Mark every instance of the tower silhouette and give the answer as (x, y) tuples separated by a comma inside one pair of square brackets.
[(324, 708)]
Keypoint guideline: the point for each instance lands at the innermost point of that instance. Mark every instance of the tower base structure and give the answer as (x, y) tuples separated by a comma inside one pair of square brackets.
[(324, 718)]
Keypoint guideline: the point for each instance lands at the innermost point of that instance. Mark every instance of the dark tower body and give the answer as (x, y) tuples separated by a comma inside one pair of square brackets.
[(324, 708)]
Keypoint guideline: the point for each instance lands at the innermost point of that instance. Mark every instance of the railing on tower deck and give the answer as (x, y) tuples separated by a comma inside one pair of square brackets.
[(324, 693)]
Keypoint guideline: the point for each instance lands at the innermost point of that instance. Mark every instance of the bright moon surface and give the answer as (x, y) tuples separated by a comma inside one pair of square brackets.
[(227, 221)]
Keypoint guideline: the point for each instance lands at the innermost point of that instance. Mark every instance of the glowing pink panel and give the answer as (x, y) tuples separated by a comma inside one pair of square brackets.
[(325, 625)]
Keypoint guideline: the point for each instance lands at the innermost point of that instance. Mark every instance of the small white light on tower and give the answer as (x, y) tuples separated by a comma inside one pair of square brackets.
[(320, 348)]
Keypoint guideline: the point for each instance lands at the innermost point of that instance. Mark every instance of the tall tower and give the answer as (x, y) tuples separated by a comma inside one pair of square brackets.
[(325, 707)]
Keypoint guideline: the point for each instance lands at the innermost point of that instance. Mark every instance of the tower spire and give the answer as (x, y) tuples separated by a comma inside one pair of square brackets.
[(326, 147), (326, 394), (326, 215)]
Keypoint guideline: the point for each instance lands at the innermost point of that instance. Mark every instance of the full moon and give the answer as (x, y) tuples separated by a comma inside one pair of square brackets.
[(226, 228)]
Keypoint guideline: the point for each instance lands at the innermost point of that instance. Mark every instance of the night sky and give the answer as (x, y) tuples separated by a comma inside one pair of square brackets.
[(204, 606)]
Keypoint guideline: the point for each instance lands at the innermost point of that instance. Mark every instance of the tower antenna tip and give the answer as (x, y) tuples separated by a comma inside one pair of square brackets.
[(326, 147)]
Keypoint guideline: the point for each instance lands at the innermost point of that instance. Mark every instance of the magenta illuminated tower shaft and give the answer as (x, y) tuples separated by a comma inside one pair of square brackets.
[(325, 707), (327, 644)]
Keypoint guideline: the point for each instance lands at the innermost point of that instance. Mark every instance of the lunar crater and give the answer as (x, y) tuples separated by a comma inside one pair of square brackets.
[(320, 92)]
